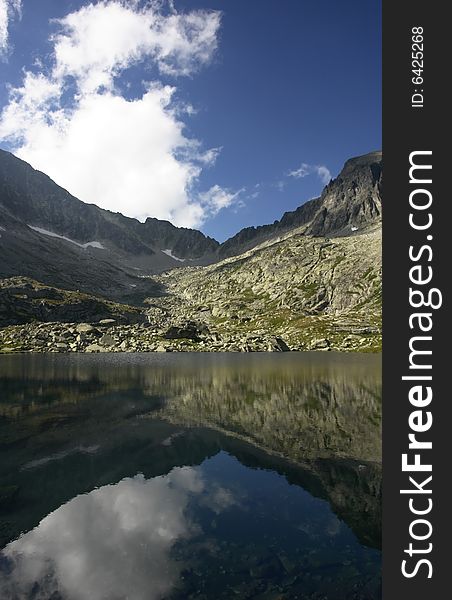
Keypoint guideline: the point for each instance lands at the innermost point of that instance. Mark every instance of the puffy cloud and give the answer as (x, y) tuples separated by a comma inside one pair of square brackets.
[(126, 154), (118, 154), (8, 9), (100, 40)]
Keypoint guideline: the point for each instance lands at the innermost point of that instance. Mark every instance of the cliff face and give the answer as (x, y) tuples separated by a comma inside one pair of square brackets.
[(42, 213), (32, 198), (353, 200)]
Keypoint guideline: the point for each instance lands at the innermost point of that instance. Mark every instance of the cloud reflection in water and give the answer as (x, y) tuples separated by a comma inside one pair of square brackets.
[(112, 543)]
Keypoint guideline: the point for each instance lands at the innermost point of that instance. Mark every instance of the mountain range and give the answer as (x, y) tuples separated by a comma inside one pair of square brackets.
[(322, 260)]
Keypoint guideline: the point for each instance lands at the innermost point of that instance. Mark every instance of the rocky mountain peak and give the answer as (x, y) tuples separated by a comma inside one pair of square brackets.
[(352, 201), (348, 204)]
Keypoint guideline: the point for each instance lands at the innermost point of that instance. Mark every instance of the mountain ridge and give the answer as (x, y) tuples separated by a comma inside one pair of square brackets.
[(310, 281), (38, 200)]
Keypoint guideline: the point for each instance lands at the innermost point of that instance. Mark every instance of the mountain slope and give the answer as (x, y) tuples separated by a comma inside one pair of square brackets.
[(48, 235), (32, 198), (309, 291), (298, 292), (25, 252)]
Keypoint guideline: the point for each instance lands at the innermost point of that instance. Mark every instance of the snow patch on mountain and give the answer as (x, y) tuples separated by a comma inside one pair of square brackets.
[(62, 237), (171, 255)]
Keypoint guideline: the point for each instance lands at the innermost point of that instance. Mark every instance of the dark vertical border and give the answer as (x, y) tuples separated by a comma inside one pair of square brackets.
[(407, 129)]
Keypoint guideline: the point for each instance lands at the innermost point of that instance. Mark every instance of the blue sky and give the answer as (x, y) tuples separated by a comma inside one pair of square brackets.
[(216, 114)]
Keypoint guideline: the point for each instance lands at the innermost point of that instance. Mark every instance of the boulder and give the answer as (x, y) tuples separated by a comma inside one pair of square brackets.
[(85, 328), (95, 348), (107, 340), (189, 330)]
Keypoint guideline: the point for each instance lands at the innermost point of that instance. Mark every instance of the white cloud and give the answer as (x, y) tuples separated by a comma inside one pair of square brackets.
[(300, 172), (100, 40), (219, 499), (217, 198), (8, 10), (323, 173), (305, 169), (130, 155), (115, 541)]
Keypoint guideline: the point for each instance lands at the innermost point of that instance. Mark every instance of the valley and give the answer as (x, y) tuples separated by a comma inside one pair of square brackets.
[(77, 278)]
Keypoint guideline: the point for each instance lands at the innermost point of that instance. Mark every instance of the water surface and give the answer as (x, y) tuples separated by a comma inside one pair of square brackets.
[(190, 476)]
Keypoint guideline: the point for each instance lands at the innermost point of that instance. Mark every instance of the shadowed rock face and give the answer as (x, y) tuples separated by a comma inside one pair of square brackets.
[(26, 301), (352, 201), (34, 199), (53, 237)]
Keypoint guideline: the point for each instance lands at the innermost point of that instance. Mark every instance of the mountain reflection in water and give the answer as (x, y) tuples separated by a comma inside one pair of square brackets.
[(178, 476)]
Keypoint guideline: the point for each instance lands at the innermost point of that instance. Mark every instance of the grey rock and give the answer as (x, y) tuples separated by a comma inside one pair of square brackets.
[(189, 330), (306, 282), (24, 251), (281, 345), (107, 340), (352, 200), (320, 344), (94, 348), (85, 328)]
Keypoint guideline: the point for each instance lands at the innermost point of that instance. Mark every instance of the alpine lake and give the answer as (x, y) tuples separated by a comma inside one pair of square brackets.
[(190, 476)]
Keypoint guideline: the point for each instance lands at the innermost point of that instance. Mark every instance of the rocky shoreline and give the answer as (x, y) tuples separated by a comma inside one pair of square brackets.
[(109, 336)]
